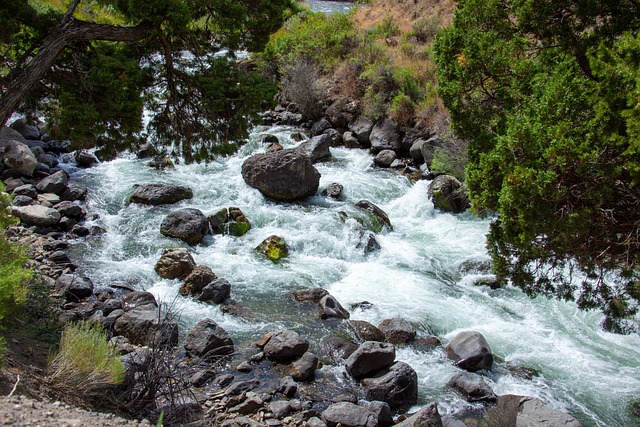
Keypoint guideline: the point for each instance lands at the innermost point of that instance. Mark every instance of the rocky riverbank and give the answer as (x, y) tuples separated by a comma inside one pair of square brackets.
[(283, 379)]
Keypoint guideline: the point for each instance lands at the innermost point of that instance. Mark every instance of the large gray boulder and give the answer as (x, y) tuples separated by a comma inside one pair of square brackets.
[(385, 135), (74, 287), (8, 134), (448, 194), (189, 225), (361, 128), (147, 325), (159, 194), (365, 331), (207, 339), (55, 183), (284, 175), (427, 416), (349, 414), (396, 385), (38, 215), (70, 209), (397, 330), (385, 158), (428, 149), (175, 264), (19, 156), (285, 345), (370, 357), (470, 351), (317, 148), (472, 387), (30, 132), (74, 192)]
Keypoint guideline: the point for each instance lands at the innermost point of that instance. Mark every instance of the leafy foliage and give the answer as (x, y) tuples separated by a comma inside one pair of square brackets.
[(547, 93)]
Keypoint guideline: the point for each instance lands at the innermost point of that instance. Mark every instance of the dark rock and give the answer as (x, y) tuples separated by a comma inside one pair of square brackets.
[(238, 387), (382, 411), (304, 368), (349, 140), (74, 287), (147, 325), (397, 330), (74, 192), (337, 349), (491, 281), (274, 248), (26, 190), (429, 416), (288, 387), (8, 134), (38, 215), (385, 158), (427, 150), (347, 414), (365, 331), (377, 213), (47, 159), (175, 264), (206, 340), (11, 184), (335, 137), (317, 148), (472, 387), (369, 242), (18, 156), (320, 126), (448, 194), (345, 397), (189, 225), (280, 409), (310, 295), (80, 230), (396, 385), (195, 282), (61, 258), (56, 183), (385, 135), (218, 220), (146, 151), (216, 292), (426, 343), (110, 306), (470, 351), (66, 223), (315, 422), (201, 378), (334, 115), (244, 367), (22, 201), (30, 132), (334, 190), (330, 308), (361, 128), (285, 345), (273, 147), (159, 194), (225, 380), (416, 151), (70, 209), (269, 139), (370, 357), (285, 175), (85, 159), (138, 299)]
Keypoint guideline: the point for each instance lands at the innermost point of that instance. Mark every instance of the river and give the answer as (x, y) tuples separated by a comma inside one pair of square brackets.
[(583, 370)]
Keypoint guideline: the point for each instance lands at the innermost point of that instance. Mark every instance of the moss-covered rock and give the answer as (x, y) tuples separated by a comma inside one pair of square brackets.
[(229, 221), (274, 248)]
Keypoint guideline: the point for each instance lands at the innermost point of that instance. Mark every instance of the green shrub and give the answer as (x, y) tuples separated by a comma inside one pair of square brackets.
[(402, 110), (387, 28), (86, 365), (408, 83), (425, 29), (450, 159)]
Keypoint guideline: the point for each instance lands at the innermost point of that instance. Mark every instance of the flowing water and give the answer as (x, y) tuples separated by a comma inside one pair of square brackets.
[(416, 275)]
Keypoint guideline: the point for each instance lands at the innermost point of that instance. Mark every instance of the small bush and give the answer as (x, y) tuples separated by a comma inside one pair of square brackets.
[(387, 28), (86, 365), (425, 29), (450, 159), (402, 110), (301, 85)]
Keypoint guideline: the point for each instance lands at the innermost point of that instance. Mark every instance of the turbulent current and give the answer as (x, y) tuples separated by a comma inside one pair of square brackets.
[(417, 275)]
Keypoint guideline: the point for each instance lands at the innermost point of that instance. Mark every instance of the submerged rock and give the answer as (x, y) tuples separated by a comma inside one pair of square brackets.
[(378, 219), (274, 248), (472, 387)]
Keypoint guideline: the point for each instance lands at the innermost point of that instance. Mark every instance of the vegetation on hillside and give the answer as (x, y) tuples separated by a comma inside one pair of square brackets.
[(547, 94)]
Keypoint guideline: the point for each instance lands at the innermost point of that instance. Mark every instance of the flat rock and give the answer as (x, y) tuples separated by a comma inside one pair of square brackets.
[(189, 225), (370, 357), (159, 194), (348, 414), (285, 345), (38, 215)]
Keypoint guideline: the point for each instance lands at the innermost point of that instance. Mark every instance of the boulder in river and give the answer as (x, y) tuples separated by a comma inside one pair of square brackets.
[(361, 128), (216, 292), (470, 351), (84, 159), (304, 368), (370, 357), (472, 387), (195, 282), (189, 225), (55, 183), (284, 175), (448, 194), (377, 219), (349, 414), (175, 264), (274, 248), (365, 331), (397, 330), (317, 148), (38, 215), (159, 194), (385, 135), (229, 221), (330, 308), (285, 345), (385, 158), (207, 339), (427, 416), (396, 385)]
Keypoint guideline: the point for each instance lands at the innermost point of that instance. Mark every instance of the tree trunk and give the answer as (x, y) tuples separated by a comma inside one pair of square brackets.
[(68, 31)]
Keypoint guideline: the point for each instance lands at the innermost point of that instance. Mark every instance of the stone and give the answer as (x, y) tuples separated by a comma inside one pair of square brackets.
[(244, 367), (370, 357), (12, 183), (229, 221), (334, 190), (385, 158), (304, 368), (428, 416), (365, 331), (382, 411), (38, 215), (138, 299), (18, 156), (147, 325), (317, 148), (22, 201), (146, 151), (337, 349), (310, 295), (330, 308), (280, 409), (385, 135), (315, 422), (428, 149), (470, 351), (238, 387), (361, 128), (448, 194), (274, 248), (30, 132), (74, 287), (189, 225), (416, 151), (288, 386), (70, 209), (269, 139), (194, 283), (85, 159), (207, 340), (320, 126), (285, 345), (472, 387), (175, 264), (55, 183), (335, 116), (397, 385), (284, 175), (216, 292), (74, 192), (397, 330), (349, 140), (335, 137), (347, 414), (26, 190), (159, 194), (9, 134), (379, 218)]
